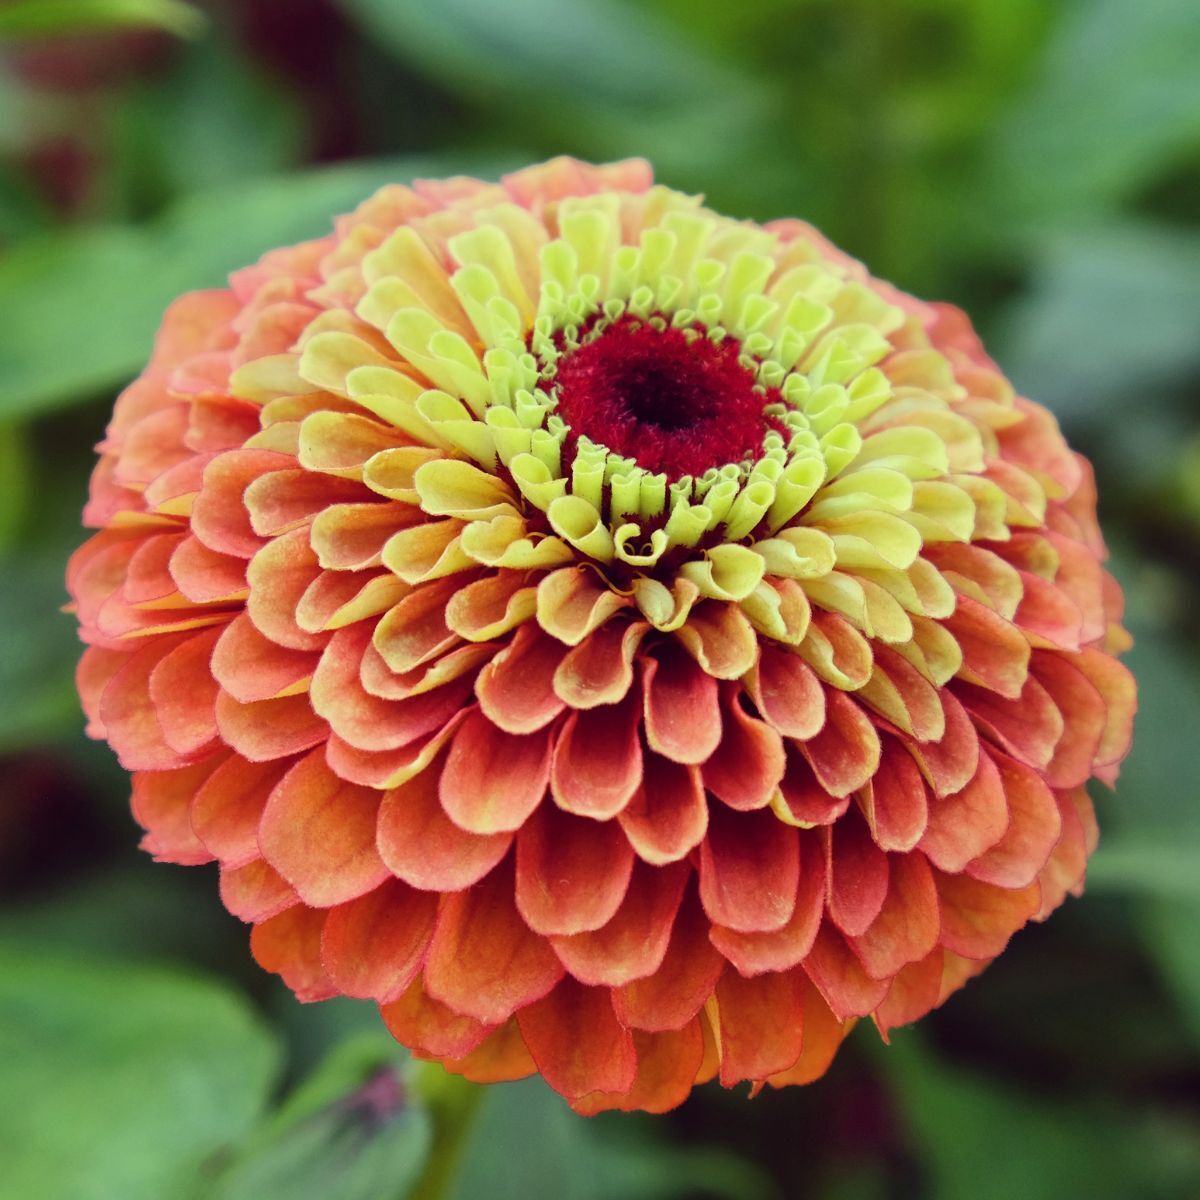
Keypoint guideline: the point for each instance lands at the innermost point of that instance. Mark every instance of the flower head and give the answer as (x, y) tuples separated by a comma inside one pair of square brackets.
[(626, 643)]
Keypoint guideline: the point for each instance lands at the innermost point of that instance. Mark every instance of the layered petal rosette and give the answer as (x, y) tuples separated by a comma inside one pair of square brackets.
[(626, 643)]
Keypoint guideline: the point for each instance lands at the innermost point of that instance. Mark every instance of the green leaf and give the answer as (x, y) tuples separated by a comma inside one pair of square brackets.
[(118, 1080), (1116, 102), (79, 308), (980, 1138), (350, 1132), (1109, 316), (51, 18), (573, 1158), (598, 53)]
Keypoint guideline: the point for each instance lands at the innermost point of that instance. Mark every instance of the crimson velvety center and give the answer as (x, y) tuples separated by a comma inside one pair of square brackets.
[(677, 402)]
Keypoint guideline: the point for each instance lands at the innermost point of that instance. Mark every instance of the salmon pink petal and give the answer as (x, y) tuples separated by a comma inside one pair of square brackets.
[(484, 961), (845, 754), (251, 667), (502, 1056), (516, 689), (1084, 716), (995, 652), (668, 815), (840, 977), (289, 945), (255, 891), (857, 873), (600, 669), (279, 575), (129, 716), (1114, 682), (318, 832), (269, 729), (762, 1024), (908, 924), (823, 1034), (374, 946), (896, 800), (492, 780), (748, 764), (429, 1027), (1028, 727), (754, 953), (577, 1042), (978, 918), (572, 872), (915, 989), (963, 825), (787, 693), (949, 764), (720, 638), (804, 801), (229, 804), (597, 763), (749, 870), (422, 846), (632, 944), (1048, 614), (673, 995), (667, 1065), (682, 706), (184, 694), (220, 518), (161, 806), (1034, 826)]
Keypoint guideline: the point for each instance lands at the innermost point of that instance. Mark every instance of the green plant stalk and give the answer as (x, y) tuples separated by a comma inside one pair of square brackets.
[(453, 1103)]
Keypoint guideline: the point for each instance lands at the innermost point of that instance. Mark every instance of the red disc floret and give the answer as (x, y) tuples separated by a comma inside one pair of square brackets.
[(674, 400)]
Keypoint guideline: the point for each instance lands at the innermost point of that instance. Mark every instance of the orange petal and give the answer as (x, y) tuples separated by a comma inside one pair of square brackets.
[(682, 706), (577, 1042), (754, 953), (895, 801), (573, 601), (749, 870), (414, 630), (1028, 728), (914, 991), (1084, 715), (280, 500), (600, 669), (807, 802), (597, 763), (318, 832), (676, 991), (251, 667), (220, 518), (516, 689), (161, 805), (667, 1064), (228, 807), (632, 944), (422, 846), (720, 638), (255, 891), (429, 1027), (948, 765), (374, 946), (823, 1034), (1114, 682), (762, 1024), (289, 945), (484, 961), (995, 652), (977, 918), (840, 977), (668, 815), (845, 754), (787, 694), (269, 729), (572, 872), (129, 716), (908, 924), (747, 766), (184, 693), (1034, 826), (1048, 614), (857, 873), (962, 826), (279, 575), (492, 780), (501, 1056)]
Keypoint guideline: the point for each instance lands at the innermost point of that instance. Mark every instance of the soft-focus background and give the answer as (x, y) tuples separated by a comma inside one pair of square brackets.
[(1037, 161)]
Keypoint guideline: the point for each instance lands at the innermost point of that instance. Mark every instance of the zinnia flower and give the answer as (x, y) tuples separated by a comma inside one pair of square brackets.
[(626, 643)]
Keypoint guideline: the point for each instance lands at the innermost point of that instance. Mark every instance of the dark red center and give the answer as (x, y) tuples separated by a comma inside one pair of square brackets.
[(676, 404)]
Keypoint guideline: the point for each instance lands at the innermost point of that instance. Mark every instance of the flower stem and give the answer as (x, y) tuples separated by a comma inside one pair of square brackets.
[(453, 1103)]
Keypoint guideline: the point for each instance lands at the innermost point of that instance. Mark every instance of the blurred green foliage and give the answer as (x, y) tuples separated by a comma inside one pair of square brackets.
[(1037, 161)]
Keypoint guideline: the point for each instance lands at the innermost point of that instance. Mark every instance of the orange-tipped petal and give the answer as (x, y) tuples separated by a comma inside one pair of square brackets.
[(289, 945), (748, 764), (251, 667), (484, 961), (422, 846), (964, 825), (762, 1024), (374, 946), (682, 707), (516, 689), (492, 780), (977, 918), (668, 815), (318, 832), (857, 873), (749, 870), (577, 1042), (572, 873), (228, 806), (255, 891), (840, 977), (162, 805), (429, 1027), (597, 763), (908, 923), (667, 1065), (788, 695)]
